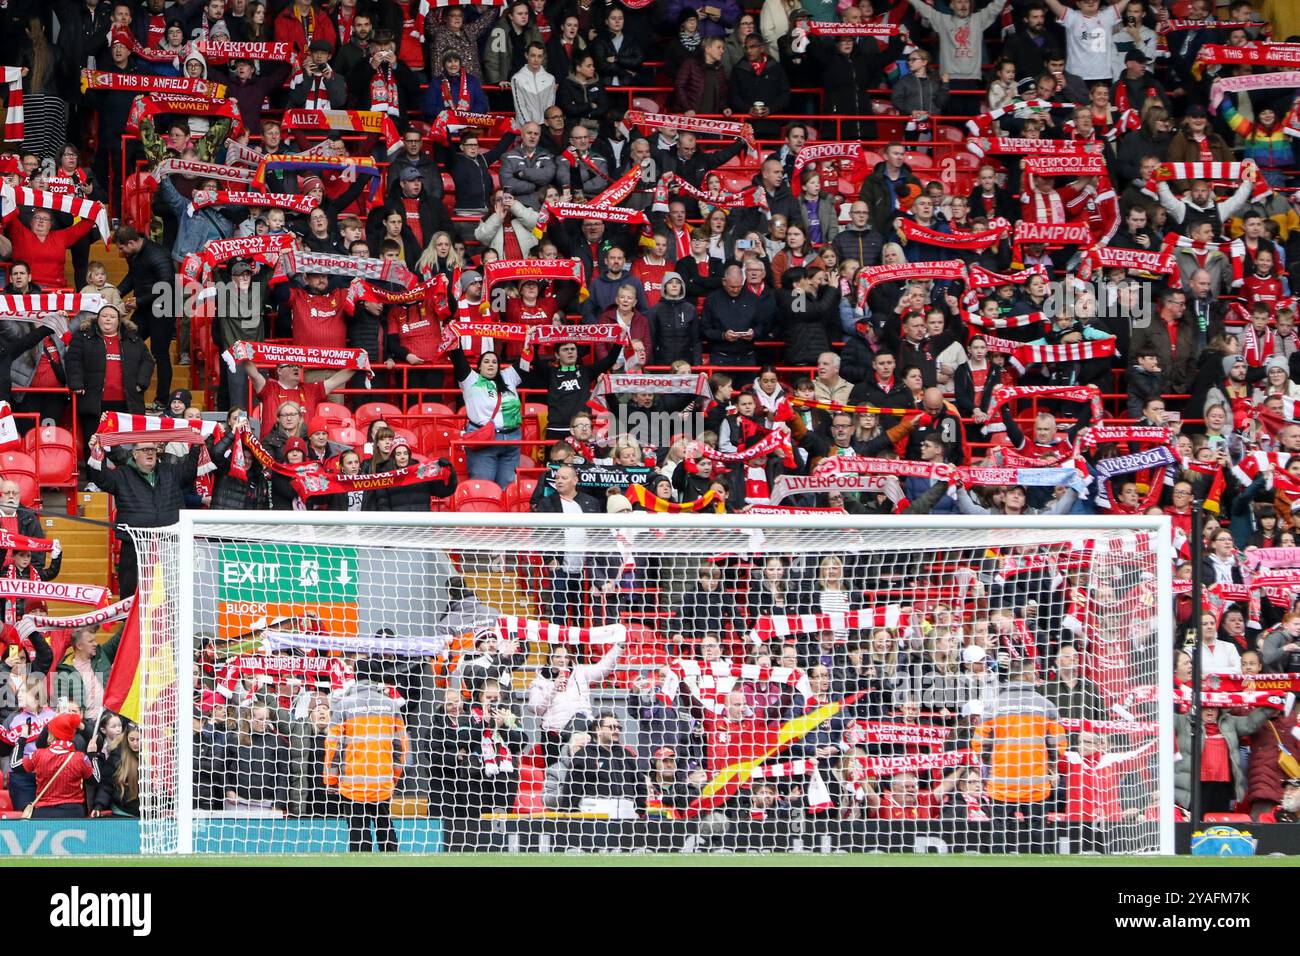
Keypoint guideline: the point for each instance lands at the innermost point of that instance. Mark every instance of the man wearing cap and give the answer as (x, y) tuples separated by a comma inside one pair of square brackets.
[(1136, 84), (322, 88), (287, 386), (412, 156), (423, 213)]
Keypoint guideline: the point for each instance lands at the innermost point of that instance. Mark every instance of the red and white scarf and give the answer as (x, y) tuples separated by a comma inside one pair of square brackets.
[(204, 198), (317, 481), (1260, 53), (610, 334), (1211, 171), (913, 231), (1023, 321), (1026, 355), (13, 78), (1070, 165), (157, 104), (771, 627), (817, 153), (517, 270), (694, 124), (1004, 394), (903, 272), (13, 197), (753, 198), (1287, 80), (91, 594), (1025, 146), (70, 622), (545, 632), (981, 278), (147, 83), (708, 684), (265, 353), (983, 124), (383, 92), (786, 485), (302, 261), (264, 249), (1158, 262), (121, 428), (193, 169), (494, 754)]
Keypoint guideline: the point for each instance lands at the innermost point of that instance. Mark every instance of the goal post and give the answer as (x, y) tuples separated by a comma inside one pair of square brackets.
[(318, 683)]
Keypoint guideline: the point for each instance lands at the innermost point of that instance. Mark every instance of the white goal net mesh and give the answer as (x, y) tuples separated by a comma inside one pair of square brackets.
[(320, 688)]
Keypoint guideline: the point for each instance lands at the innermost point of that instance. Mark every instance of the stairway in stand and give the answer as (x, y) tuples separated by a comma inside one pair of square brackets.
[(181, 377), (85, 546)]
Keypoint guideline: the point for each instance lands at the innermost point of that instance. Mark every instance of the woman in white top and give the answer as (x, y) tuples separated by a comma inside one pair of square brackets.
[(561, 692), (491, 398)]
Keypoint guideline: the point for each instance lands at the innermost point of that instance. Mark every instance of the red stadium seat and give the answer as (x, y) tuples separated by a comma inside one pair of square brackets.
[(968, 161), (949, 134), (918, 161), (334, 413), (1226, 818), (373, 411), (55, 454), (137, 201), (429, 409), (412, 440), (347, 435), (519, 494), (20, 467), (645, 103), (537, 411), (478, 495)]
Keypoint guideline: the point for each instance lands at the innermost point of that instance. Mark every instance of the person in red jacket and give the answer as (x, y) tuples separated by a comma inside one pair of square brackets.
[(44, 248), (60, 770), (736, 735), (300, 23)]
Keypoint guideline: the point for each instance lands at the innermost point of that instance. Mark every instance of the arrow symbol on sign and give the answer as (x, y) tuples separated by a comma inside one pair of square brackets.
[(344, 577)]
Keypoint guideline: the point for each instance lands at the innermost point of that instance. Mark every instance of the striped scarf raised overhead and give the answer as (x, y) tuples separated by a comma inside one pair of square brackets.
[(770, 627), (545, 632), (12, 197), (1211, 171), (1026, 355), (13, 78)]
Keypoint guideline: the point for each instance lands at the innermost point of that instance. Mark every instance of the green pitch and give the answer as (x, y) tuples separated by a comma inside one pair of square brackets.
[(666, 859)]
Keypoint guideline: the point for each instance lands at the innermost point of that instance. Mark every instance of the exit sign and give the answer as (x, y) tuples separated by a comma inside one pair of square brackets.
[(288, 573)]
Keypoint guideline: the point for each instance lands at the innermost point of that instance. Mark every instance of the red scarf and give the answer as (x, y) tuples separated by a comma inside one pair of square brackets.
[(10, 572), (383, 92), (495, 755), (461, 100)]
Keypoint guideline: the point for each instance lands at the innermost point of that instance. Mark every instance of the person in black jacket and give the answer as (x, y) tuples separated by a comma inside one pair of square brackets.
[(759, 87), (851, 68), (414, 497), (384, 66), (618, 56), (808, 307), (675, 325), (10, 349), (148, 493), (471, 174), (733, 321), (568, 385), (581, 94), (229, 491), (88, 373), (408, 194)]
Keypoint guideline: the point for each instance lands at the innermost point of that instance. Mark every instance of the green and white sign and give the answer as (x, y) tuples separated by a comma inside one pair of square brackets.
[(281, 573)]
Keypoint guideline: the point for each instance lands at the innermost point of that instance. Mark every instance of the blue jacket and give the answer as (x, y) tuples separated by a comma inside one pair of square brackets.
[(433, 104), (198, 227), (914, 488)]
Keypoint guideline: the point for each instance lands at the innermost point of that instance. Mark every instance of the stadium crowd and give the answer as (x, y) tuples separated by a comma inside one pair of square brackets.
[(1026, 259)]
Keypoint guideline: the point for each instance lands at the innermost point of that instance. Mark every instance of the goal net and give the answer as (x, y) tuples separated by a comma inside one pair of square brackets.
[(636, 683)]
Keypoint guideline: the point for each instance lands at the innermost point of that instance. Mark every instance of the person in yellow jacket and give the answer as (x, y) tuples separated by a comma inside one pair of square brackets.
[(1020, 742), (366, 749)]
